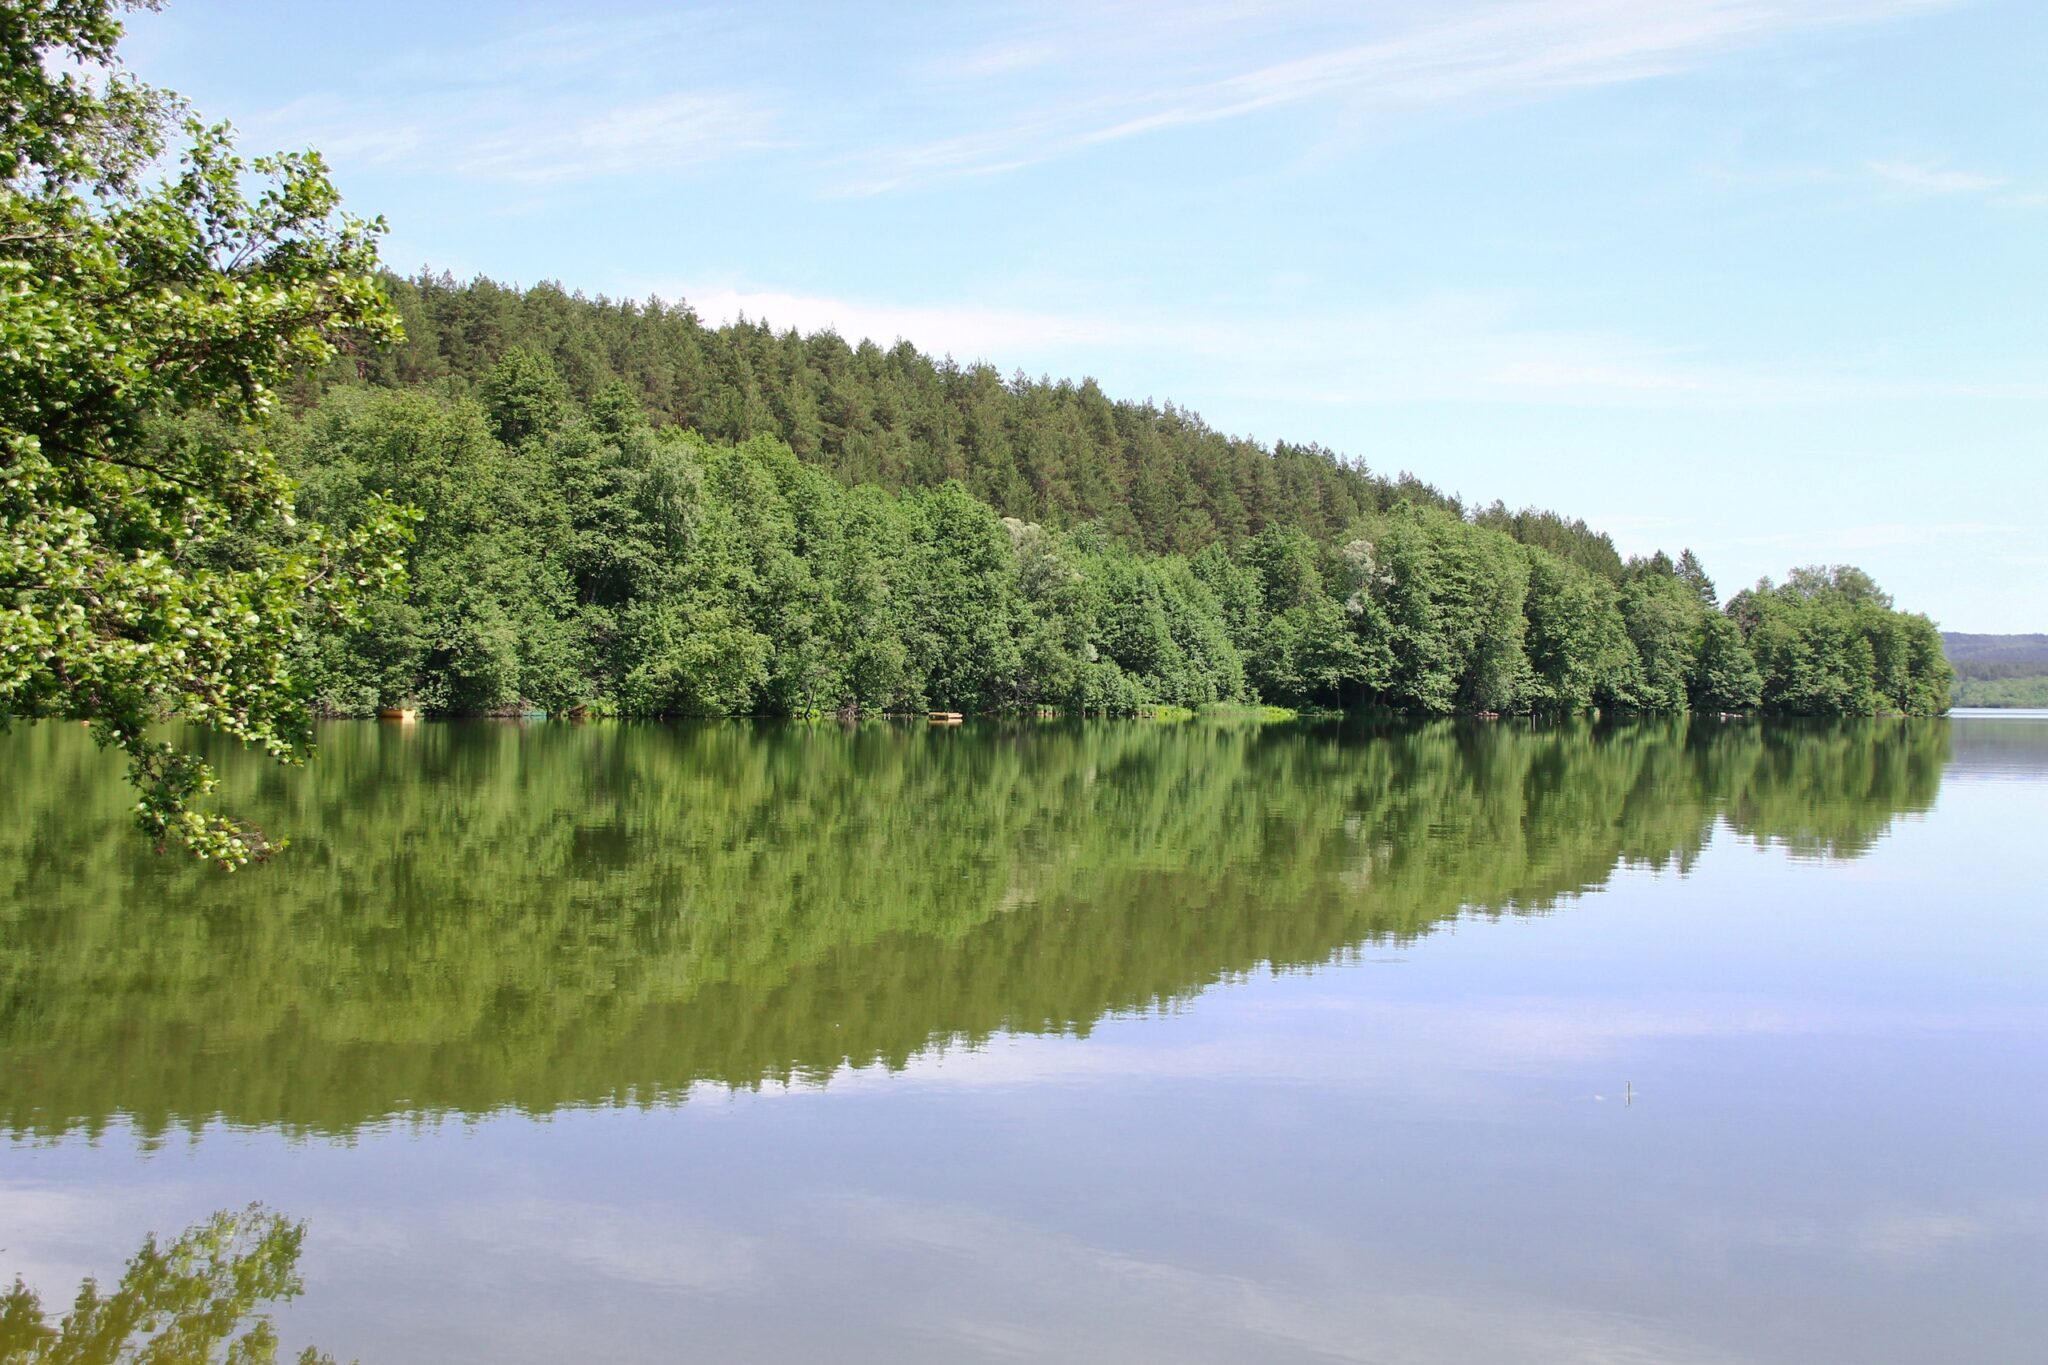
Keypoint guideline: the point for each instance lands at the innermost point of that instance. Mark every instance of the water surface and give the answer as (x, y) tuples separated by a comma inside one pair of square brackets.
[(1663, 1042)]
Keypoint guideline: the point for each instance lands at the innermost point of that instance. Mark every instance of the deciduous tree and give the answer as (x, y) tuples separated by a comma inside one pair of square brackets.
[(150, 568)]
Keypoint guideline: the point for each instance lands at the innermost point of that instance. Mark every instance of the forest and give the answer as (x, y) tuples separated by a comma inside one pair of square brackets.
[(622, 510), (1998, 670), (251, 476)]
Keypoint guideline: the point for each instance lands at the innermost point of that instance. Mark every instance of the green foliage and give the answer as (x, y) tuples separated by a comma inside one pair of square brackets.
[(1452, 595), (1663, 619), (1572, 540), (1300, 642), (2020, 690), (959, 608), (1579, 652), (1053, 453), (622, 511), (624, 567), (1693, 575), (1998, 670), (483, 624), (1724, 676), (1829, 643), (192, 1302), (149, 566), (524, 395), (628, 568)]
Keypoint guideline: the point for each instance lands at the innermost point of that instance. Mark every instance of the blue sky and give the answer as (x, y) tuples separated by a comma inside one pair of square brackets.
[(1768, 278)]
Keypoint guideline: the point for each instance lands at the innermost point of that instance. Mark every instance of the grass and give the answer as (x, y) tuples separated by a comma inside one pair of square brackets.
[(1223, 710)]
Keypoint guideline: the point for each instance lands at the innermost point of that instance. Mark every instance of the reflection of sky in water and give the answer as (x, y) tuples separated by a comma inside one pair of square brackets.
[(1774, 1110)]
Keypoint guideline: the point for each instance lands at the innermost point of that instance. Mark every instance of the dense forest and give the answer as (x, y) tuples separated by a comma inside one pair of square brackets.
[(623, 510), (249, 475)]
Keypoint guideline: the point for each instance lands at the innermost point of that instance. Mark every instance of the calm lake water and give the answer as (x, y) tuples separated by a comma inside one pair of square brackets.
[(1453, 1043)]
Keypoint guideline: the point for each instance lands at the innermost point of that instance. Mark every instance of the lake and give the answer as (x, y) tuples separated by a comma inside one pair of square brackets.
[(1673, 1041)]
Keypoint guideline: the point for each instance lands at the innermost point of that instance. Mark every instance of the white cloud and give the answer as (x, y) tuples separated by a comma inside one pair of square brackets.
[(663, 134), (1122, 73), (540, 104), (966, 332), (508, 138), (1336, 1041), (545, 102), (1451, 348), (1926, 177), (1126, 1303), (1919, 177), (635, 1245), (53, 1236), (556, 53)]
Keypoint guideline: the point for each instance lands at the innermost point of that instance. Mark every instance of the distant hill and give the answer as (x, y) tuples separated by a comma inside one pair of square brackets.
[(1998, 670), (1996, 656)]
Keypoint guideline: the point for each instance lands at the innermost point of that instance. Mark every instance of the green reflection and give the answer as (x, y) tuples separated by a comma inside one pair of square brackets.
[(200, 1299), (478, 916)]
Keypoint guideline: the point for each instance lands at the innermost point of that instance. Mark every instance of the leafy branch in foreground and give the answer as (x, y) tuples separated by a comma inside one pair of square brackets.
[(150, 567)]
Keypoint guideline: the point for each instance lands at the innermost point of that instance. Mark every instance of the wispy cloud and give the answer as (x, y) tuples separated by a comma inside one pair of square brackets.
[(544, 102), (1123, 1299), (666, 133), (1112, 88), (1926, 177), (1899, 176), (540, 105), (1323, 1038), (552, 53), (526, 142), (1439, 348), (968, 332)]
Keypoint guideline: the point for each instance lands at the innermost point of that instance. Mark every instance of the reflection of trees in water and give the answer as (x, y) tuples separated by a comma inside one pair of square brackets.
[(479, 916), (197, 1299)]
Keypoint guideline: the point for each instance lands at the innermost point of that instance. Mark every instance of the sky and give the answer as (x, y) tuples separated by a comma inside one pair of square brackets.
[(1763, 278)]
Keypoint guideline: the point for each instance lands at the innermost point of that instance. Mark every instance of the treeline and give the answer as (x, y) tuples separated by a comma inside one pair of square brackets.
[(573, 555), (1996, 656), (1053, 452), (2016, 690), (1998, 670)]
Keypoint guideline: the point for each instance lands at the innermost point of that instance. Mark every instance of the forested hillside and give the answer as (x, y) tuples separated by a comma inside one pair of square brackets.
[(623, 510), (1996, 656), (1053, 452), (1999, 670)]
